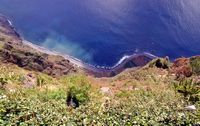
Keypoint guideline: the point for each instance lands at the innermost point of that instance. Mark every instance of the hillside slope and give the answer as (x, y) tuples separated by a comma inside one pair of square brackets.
[(23, 53), (12, 49), (42, 89), (146, 96)]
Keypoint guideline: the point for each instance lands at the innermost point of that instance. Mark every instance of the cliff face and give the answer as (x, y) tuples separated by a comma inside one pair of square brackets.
[(24, 57), (7, 32), (186, 67), (14, 51)]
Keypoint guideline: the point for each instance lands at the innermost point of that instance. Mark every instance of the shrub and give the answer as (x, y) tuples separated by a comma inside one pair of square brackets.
[(43, 79), (3, 81), (189, 89), (78, 89), (46, 107), (5, 78), (195, 64), (163, 63), (40, 81), (8, 76), (33, 107)]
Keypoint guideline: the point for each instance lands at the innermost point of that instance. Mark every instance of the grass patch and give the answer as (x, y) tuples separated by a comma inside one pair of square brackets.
[(189, 89), (195, 64), (46, 103)]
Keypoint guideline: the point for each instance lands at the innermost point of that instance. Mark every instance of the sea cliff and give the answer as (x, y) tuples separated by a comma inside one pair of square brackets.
[(13, 50), (27, 55), (43, 87)]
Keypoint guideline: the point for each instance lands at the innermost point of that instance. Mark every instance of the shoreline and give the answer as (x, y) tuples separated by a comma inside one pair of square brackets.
[(79, 63), (102, 70)]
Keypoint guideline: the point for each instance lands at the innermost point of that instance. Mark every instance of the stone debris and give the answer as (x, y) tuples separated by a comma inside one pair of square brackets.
[(105, 90), (29, 81), (191, 108), (2, 96)]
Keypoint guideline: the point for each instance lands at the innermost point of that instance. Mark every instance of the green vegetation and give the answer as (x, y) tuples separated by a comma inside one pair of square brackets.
[(152, 101), (146, 96), (8, 76), (189, 89), (43, 79), (1, 44), (79, 88), (195, 64), (160, 63), (26, 107)]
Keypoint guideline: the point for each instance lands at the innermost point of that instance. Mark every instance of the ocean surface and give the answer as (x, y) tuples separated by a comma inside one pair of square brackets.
[(101, 32)]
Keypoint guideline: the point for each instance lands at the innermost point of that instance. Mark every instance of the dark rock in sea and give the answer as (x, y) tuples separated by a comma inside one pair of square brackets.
[(133, 61)]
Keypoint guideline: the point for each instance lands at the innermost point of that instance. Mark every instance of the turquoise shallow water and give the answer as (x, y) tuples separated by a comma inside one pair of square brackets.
[(103, 31)]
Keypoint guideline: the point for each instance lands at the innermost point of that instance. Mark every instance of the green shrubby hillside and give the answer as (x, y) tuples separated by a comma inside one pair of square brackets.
[(155, 99), (161, 93)]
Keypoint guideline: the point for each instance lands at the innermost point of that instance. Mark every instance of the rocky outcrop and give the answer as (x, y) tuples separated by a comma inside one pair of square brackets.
[(13, 50), (134, 61), (30, 59), (7, 31), (140, 60), (186, 67), (181, 68)]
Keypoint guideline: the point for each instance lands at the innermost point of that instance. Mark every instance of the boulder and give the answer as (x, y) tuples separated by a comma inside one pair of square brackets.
[(191, 108), (31, 59), (29, 81), (105, 90), (181, 68)]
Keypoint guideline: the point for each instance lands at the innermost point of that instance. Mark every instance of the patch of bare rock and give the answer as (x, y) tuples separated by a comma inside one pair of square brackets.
[(30, 59)]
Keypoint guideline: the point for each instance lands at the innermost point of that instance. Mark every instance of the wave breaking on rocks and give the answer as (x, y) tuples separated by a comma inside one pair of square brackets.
[(127, 61)]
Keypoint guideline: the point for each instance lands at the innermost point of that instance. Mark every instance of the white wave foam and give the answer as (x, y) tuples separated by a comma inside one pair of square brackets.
[(121, 60), (126, 57), (10, 23), (77, 61), (85, 65), (150, 55)]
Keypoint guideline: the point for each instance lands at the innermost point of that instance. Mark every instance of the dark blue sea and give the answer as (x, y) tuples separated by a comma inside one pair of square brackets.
[(103, 31)]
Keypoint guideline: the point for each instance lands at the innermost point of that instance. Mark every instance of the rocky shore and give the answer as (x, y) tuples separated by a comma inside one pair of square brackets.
[(27, 55), (33, 90), (13, 50), (32, 57)]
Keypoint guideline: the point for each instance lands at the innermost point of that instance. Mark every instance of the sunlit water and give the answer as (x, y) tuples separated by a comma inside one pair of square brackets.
[(103, 31)]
